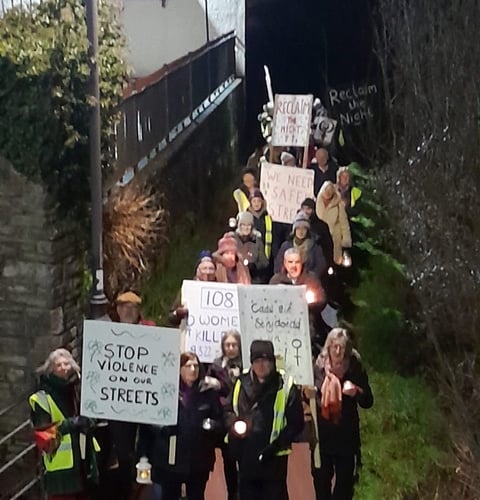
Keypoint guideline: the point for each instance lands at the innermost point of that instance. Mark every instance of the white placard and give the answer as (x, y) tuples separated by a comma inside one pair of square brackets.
[(280, 314), (292, 117), (212, 311), (285, 188), (130, 372)]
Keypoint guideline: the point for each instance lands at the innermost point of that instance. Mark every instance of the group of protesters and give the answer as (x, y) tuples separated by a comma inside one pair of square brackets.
[(250, 409)]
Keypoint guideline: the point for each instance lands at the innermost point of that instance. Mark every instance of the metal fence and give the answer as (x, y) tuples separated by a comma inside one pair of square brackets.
[(22, 4), (154, 115)]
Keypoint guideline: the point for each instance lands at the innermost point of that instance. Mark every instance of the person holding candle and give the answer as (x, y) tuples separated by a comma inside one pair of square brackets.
[(185, 453), (342, 385), (264, 415)]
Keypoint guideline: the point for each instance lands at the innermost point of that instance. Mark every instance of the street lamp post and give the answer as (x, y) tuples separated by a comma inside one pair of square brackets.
[(98, 300)]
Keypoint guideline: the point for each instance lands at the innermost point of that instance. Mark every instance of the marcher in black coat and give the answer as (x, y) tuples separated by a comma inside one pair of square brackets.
[(342, 385), (226, 369), (263, 460), (195, 437)]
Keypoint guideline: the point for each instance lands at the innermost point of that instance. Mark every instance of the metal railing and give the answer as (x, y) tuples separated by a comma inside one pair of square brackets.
[(20, 469), (6, 5), (161, 106)]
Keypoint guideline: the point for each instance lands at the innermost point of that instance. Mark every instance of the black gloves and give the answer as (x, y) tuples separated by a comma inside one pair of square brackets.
[(266, 454), (77, 424)]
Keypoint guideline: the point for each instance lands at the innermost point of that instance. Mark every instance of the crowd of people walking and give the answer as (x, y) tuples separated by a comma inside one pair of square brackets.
[(249, 409)]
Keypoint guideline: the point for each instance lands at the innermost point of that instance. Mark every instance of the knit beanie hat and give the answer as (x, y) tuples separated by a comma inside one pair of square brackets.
[(204, 255), (245, 218), (261, 349), (308, 202), (301, 219), (256, 193), (227, 243)]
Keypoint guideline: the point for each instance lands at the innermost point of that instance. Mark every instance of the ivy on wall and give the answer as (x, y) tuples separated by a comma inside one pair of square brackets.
[(44, 104)]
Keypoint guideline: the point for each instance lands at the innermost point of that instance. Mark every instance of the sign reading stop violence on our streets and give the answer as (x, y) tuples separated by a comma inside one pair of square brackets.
[(292, 117), (212, 311), (130, 372), (285, 188)]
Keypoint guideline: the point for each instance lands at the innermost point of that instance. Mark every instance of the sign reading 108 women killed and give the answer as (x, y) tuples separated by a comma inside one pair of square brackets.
[(284, 189), (278, 313), (212, 311), (130, 372), (292, 118)]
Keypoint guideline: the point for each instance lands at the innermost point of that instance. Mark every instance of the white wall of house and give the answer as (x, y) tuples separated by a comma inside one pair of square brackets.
[(158, 35)]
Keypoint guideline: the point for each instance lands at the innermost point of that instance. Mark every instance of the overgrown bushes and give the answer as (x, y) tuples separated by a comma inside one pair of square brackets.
[(44, 102)]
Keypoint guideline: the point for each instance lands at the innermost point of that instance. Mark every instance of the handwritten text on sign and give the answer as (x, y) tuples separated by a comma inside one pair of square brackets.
[(284, 189), (130, 372), (280, 314), (292, 117), (212, 311)]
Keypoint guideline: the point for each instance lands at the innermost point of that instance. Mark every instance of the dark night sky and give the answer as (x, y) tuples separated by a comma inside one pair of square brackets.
[(307, 44)]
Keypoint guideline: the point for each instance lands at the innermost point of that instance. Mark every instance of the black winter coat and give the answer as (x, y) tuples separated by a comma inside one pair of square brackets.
[(315, 262), (344, 438), (255, 405), (195, 447)]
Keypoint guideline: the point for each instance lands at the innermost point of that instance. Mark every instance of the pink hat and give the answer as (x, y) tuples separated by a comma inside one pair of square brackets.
[(227, 243)]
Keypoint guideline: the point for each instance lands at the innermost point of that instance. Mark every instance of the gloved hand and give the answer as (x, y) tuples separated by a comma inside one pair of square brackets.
[(266, 454), (80, 424)]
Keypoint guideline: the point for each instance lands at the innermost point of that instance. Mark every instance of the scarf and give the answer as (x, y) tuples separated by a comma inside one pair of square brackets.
[(332, 392)]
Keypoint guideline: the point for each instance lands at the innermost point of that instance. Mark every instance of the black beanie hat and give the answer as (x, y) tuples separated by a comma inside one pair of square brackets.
[(261, 349), (308, 202)]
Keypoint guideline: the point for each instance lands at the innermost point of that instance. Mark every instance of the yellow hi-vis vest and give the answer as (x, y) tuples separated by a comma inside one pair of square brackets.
[(242, 200), (279, 406), (268, 236), (62, 459), (355, 195)]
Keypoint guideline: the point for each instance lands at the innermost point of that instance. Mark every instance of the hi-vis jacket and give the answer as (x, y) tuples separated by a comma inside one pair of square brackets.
[(62, 459), (279, 406), (274, 416)]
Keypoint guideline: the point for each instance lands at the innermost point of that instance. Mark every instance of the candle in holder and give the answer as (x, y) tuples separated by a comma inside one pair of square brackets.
[(144, 471)]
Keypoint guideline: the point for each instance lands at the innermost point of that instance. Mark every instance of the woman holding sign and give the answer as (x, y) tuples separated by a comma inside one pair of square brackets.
[(185, 453), (342, 385)]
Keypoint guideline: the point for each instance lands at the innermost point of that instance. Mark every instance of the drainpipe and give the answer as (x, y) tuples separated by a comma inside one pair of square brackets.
[(207, 28), (98, 300)]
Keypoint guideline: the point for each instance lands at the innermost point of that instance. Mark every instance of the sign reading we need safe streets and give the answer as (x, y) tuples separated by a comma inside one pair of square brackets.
[(130, 372), (212, 311), (284, 189)]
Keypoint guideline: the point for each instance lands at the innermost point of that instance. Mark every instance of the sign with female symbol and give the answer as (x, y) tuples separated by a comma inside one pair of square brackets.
[(280, 314)]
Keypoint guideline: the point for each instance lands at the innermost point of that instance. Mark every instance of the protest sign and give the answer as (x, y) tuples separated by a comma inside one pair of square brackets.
[(212, 311), (292, 118), (285, 188), (278, 313), (130, 372), (353, 104)]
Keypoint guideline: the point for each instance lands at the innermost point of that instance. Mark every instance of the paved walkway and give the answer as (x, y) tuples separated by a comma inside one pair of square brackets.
[(300, 485)]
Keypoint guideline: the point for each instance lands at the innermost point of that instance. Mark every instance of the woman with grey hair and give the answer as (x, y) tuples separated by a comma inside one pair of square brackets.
[(342, 385), (61, 434)]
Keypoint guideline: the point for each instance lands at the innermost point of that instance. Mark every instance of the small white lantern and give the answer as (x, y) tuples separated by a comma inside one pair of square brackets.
[(144, 471), (346, 259)]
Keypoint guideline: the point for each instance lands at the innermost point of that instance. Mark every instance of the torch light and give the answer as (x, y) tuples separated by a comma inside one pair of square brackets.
[(240, 427), (310, 296), (346, 259)]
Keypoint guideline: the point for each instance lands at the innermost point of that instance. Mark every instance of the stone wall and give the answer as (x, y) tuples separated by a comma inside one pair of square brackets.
[(41, 270)]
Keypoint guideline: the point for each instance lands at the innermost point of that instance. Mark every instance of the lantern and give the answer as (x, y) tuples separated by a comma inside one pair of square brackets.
[(144, 471), (240, 427), (346, 259), (310, 296)]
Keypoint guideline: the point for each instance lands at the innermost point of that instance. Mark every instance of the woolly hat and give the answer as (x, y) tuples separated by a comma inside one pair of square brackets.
[(261, 349), (308, 202), (245, 218), (301, 219), (227, 243), (286, 157), (204, 255), (128, 297), (256, 193)]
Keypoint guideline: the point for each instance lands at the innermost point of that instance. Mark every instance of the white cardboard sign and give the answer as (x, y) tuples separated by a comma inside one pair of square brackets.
[(130, 372), (212, 311), (285, 188), (278, 313), (292, 117)]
